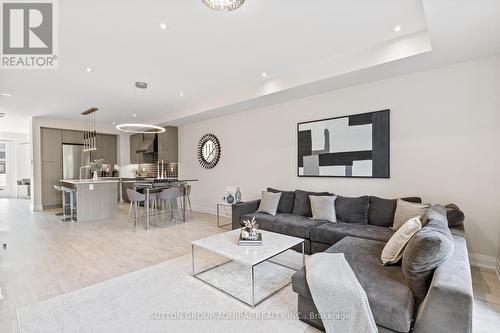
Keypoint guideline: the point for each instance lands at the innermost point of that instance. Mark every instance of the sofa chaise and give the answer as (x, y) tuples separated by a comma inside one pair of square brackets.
[(361, 232)]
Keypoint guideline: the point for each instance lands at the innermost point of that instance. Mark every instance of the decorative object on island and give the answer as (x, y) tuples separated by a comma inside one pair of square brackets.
[(95, 167), (349, 146), (209, 151), (237, 195), (89, 128), (223, 5), (249, 234)]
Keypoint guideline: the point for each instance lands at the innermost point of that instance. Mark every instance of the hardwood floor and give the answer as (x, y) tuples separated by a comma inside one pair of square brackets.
[(45, 257)]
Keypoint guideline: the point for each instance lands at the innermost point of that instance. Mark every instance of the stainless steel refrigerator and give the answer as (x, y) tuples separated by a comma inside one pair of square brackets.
[(73, 158)]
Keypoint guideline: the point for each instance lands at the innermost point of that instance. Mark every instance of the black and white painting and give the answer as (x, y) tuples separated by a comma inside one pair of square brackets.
[(351, 146)]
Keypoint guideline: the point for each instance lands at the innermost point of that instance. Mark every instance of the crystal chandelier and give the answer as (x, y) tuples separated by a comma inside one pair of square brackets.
[(223, 5)]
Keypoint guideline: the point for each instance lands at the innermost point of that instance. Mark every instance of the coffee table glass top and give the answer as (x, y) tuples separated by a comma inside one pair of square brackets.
[(226, 244)]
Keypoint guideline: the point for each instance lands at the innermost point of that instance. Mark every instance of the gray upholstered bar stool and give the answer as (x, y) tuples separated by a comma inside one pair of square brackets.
[(170, 196), (137, 198), (187, 188)]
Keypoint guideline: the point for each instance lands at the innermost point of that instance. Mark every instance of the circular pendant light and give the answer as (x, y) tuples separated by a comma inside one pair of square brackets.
[(140, 128), (223, 5)]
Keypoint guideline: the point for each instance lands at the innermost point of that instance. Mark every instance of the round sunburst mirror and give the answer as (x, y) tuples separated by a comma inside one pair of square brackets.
[(209, 151)]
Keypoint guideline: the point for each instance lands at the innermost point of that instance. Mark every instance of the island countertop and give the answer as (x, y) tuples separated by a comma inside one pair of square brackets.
[(89, 181)]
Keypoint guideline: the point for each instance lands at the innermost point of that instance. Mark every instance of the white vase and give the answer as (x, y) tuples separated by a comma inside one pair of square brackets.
[(95, 176)]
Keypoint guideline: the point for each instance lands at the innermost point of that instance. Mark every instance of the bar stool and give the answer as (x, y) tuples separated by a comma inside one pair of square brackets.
[(187, 191), (71, 192), (136, 199), (170, 196), (63, 212)]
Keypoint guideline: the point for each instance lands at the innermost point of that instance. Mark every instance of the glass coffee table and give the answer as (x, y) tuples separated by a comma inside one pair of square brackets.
[(245, 259)]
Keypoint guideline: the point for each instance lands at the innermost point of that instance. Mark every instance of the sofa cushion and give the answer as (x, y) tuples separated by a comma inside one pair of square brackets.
[(286, 200), (352, 210), (454, 215), (407, 210), (302, 205), (428, 248), (269, 203), (381, 211), (323, 208), (331, 233), (287, 224), (391, 301)]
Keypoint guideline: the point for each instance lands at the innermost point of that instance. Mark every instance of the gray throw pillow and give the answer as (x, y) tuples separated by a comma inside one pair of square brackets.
[(455, 216), (286, 201), (269, 203), (302, 204), (352, 210), (323, 208), (381, 211), (426, 250)]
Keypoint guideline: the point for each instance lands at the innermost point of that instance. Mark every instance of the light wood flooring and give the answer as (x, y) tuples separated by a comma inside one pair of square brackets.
[(45, 257)]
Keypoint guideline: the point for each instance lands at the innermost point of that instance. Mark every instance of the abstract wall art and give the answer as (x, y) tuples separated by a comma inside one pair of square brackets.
[(350, 146)]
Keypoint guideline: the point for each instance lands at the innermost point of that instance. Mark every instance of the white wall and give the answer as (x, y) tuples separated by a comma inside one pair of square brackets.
[(444, 145)]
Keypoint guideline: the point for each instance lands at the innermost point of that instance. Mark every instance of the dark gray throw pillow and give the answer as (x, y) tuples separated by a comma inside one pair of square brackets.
[(455, 216), (381, 211), (302, 204), (352, 210), (426, 250), (286, 201)]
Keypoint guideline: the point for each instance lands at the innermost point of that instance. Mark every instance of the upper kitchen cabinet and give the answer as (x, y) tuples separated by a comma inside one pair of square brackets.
[(72, 137), (106, 149), (135, 142), (51, 145), (167, 145)]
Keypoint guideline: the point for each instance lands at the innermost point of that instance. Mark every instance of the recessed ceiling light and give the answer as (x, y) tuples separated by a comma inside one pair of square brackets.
[(163, 26), (134, 115), (181, 94), (264, 74), (6, 95), (114, 122), (141, 85), (88, 69), (397, 28)]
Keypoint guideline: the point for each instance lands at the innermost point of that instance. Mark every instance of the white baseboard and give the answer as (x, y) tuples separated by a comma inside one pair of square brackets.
[(480, 260)]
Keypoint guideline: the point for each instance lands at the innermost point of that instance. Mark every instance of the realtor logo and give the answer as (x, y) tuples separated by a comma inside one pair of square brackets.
[(28, 35)]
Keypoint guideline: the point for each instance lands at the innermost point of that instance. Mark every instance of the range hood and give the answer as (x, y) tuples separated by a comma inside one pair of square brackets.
[(147, 146)]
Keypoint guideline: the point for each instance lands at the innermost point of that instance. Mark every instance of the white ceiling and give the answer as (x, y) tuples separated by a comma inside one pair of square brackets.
[(207, 54)]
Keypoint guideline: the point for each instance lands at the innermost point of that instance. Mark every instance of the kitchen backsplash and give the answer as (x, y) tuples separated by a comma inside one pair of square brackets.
[(150, 170)]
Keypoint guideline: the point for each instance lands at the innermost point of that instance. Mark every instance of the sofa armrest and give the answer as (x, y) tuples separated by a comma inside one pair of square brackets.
[(449, 301), (243, 208)]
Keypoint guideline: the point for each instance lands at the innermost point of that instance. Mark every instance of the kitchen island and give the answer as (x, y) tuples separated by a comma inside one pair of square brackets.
[(95, 199)]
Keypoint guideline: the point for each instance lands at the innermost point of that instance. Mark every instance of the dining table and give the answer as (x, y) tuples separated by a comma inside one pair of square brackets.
[(156, 185)]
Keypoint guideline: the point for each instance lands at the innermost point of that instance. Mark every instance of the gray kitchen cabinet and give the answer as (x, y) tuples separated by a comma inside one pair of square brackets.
[(106, 149), (51, 145), (168, 145), (51, 175), (135, 142), (72, 137)]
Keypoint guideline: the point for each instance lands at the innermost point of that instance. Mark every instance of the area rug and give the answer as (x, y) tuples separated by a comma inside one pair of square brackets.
[(166, 298)]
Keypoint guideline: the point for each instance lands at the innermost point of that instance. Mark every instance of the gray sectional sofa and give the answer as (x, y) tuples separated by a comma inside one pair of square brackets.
[(398, 302)]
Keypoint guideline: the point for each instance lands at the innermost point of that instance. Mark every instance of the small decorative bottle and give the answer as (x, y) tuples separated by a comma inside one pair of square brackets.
[(237, 195)]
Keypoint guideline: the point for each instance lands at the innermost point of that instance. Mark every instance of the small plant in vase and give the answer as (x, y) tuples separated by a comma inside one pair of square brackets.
[(250, 230), (95, 166)]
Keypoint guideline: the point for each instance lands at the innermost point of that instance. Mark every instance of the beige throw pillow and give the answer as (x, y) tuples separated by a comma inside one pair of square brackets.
[(323, 208), (269, 202), (393, 250), (407, 210)]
